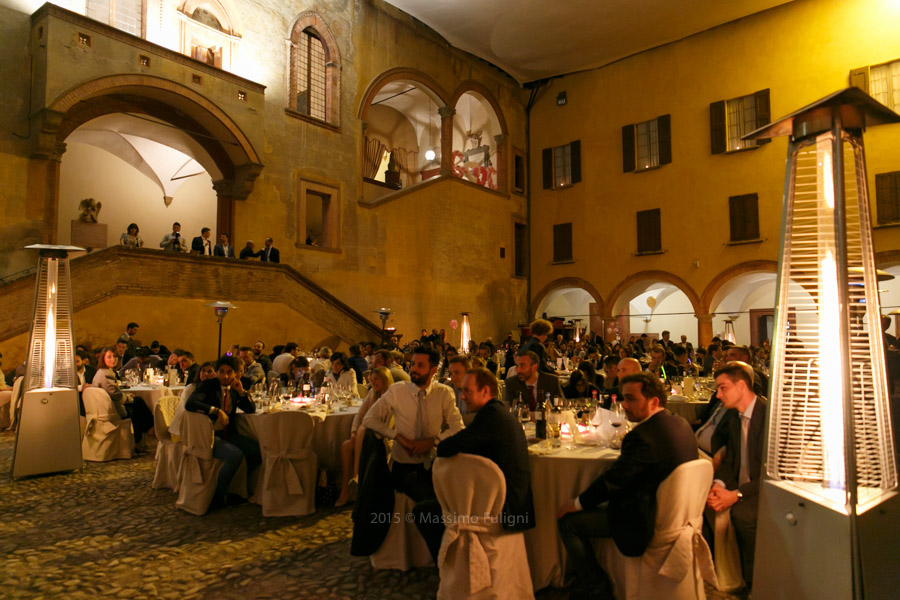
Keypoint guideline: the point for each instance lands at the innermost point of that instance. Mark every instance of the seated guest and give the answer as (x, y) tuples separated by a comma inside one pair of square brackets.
[(384, 358), (610, 373), (580, 387), (83, 369), (143, 361), (281, 362), (188, 366), (496, 435), (683, 362), (122, 353), (340, 375), (220, 398), (621, 503), (159, 350), (531, 384), (299, 372), (458, 367), (379, 381), (322, 362), (207, 371), (253, 371), (742, 354), (357, 362), (738, 437), (107, 379), (594, 378), (420, 408), (264, 361)]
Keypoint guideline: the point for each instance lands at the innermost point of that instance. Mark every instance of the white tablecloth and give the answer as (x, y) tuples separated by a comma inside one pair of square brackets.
[(329, 433), (150, 394), (688, 410), (556, 478)]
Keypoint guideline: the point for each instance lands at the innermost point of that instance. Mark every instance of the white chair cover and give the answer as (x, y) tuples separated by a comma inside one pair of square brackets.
[(288, 471), (169, 453), (478, 559), (728, 555), (16, 402), (5, 405), (199, 470), (107, 436), (677, 560), (403, 547)]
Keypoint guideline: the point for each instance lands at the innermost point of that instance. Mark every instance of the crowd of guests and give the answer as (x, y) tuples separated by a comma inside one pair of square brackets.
[(202, 244)]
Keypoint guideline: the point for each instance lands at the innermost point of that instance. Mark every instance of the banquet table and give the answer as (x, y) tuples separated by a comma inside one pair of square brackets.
[(150, 394), (557, 476), (329, 432), (686, 409)]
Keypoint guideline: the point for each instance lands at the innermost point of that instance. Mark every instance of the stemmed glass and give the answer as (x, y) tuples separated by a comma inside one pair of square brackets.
[(616, 419)]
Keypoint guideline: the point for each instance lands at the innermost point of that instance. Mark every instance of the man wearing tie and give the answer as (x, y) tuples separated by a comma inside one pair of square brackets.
[(531, 383), (201, 243), (737, 446), (223, 248), (270, 252)]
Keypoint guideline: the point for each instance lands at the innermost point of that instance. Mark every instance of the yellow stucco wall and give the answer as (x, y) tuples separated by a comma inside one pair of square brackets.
[(801, 51)]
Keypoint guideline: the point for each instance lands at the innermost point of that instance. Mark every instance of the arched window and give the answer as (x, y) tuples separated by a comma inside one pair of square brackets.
[(208, 33), (314, 70)]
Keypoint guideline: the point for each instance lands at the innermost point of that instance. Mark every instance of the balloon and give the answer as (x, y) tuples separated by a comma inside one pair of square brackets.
[(651, 301), (453, 324)]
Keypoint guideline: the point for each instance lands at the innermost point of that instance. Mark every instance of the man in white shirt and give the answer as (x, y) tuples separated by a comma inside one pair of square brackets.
[(420, 408), (201, 243), (282, 362)]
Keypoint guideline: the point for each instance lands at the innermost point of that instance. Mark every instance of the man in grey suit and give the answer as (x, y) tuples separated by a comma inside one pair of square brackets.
[(530, 382)]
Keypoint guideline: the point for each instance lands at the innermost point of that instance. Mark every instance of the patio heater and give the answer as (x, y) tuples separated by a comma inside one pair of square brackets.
[(829, 511), (221, 309), (465, 334), (48, 439), (577, 330), (384, 314)]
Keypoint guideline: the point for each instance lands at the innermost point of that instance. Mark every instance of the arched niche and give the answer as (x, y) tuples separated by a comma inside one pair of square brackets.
[(478, 140)]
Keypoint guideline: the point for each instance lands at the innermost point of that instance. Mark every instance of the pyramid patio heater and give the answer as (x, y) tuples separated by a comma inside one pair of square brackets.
[(829, 511), (48, 439)]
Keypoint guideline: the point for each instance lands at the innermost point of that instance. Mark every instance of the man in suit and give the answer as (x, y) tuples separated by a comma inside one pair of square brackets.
[(270, 252), (459, 366), (201, 243), (219, 398), (130, 330), (621, 503), (496, 435), (737, 447), (742, 354), (248, 251), (174, 242), (189, 367), (530, 383), (223, 248), (540, 330)]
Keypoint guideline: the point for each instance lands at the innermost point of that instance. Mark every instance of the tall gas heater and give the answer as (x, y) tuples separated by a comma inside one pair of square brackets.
[(828, 516), (48, 439)]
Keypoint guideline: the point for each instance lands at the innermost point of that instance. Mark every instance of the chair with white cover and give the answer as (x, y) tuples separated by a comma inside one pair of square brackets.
[(404, 547), (169, 453), (478, 558), (727, 554), (199, 471), (677, 560), (107, 436), (5, 406), (287, 478), (15, 403)]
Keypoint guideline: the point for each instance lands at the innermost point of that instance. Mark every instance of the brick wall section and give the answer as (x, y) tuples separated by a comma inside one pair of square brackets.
[(113, 271)]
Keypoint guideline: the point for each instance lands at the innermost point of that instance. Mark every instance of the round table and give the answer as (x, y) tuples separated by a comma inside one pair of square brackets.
[(688, 410), (555, 478), (151, 394)]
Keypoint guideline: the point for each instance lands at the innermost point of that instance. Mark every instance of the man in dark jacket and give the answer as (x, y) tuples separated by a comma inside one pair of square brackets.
[(621, 503)]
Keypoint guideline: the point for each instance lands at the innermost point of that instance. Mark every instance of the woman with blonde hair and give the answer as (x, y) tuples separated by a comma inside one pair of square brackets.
[(379, 381)]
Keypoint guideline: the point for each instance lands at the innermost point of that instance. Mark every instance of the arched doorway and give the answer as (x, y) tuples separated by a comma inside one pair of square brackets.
[(571, 299), (652, 302), (747, 301)]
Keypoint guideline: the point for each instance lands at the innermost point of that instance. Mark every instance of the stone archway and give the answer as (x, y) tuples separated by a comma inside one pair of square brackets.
[(566, 285), (724, 291), (220, 144), (618, 303)]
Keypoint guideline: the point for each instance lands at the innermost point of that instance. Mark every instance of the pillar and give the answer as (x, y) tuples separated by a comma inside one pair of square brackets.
[(704, 329), (446, 113), (502, 167)]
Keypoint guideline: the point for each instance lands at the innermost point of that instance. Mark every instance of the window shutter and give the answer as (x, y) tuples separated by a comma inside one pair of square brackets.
[(575, 160), (664, 137), (860, 78), (717, 140), (887, 197), (628, 159), (743, 214), (763, 113), (562, 242), (649, 232), (547, 158)]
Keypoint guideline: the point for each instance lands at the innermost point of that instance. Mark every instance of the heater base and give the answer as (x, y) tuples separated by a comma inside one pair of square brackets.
[(49, 436)]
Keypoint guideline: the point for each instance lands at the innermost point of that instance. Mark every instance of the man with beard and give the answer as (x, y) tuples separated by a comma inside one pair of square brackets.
[(420, 407), (531, 384)]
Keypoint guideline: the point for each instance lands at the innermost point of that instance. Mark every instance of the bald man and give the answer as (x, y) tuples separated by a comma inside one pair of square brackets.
[(629, 366)]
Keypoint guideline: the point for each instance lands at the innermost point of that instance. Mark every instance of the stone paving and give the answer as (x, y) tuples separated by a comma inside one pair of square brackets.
[(106, 533)]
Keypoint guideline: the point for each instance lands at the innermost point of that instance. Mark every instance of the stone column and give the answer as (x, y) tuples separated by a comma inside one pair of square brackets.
[(446, 113), (42, 193), (501, 158), (704, 329), (229, 190)]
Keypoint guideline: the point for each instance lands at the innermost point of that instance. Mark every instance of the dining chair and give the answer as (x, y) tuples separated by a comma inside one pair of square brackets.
[(107, 436), (404, 547), (5, 405), (287, 479), (15, 405), (169, 452), (677, 560), (478, 558), (199, 471)]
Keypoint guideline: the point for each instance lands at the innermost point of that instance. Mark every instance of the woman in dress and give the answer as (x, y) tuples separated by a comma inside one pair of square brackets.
[(379, 381), (128, 407), (131, 239)]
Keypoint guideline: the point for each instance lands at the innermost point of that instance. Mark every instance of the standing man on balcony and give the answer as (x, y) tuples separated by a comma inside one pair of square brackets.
[(201, 243), (223, 248), (270, 252), (174, 242)]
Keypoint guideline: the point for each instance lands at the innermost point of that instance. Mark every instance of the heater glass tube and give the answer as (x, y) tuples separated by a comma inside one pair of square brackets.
[(465, 335), (50, 328)]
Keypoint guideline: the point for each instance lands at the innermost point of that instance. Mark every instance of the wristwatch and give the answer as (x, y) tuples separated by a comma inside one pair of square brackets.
[(739, 495)]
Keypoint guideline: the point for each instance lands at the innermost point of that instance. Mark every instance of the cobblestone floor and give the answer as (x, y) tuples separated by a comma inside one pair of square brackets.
[(106, 533)]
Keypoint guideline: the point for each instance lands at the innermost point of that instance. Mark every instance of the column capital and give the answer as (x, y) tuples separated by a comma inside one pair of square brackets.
[(446, 112), (704, 318), (501, 138)]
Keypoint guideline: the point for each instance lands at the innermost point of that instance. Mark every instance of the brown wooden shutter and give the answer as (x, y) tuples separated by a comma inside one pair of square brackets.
[(887, 197), (763, 113), (547, 159), (628, 158), (649, 231), (860, 78), (743, 212), (575, 160), (717, 139), (664, 137), (562, 242)]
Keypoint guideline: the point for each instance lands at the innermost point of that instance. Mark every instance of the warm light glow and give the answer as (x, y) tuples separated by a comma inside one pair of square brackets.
[(828, 177), (429, 155), (50, 328), (465, 334)]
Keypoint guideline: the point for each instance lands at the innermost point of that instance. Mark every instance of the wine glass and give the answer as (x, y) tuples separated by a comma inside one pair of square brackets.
[(616, 419)]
